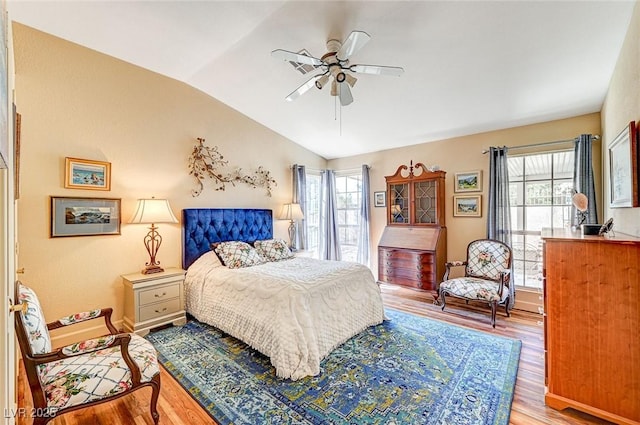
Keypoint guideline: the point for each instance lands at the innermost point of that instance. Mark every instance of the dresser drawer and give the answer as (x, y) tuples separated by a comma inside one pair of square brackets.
[(397, 280), (406, 255), (420, 275), (160, 309), (156, 294), (404, 264)]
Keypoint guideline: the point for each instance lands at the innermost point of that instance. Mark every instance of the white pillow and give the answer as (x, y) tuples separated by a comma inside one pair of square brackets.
[(273, 249), (236, 254)]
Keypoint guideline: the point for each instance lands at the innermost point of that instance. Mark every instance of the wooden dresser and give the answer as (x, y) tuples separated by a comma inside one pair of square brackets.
[(413, 247), (592, 324)]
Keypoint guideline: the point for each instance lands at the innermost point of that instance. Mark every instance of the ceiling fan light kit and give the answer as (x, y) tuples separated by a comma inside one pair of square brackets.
[(335, 66)]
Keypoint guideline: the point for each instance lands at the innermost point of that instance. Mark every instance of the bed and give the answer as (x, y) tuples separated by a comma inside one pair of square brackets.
[(294, 311)]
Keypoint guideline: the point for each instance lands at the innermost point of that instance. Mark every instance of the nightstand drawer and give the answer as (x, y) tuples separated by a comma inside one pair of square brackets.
[(159, 309), (162, 293)]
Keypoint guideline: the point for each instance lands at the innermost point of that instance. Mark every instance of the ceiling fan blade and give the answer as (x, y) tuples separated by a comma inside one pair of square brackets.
[(303, 88), (286, 55), (395, 71), (345, 94), (353, 43)]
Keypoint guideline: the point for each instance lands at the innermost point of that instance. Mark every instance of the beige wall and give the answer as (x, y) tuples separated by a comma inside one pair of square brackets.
[(621, 106), (464, 154), (76, 102)]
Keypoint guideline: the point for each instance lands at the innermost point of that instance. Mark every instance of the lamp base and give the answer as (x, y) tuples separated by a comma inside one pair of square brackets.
[(152, 269)]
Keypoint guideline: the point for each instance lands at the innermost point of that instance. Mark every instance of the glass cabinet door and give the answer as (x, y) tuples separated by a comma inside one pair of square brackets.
[(426, 202), (399, 203)]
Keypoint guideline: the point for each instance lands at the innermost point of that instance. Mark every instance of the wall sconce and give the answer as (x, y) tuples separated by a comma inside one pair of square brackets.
[(152, 211), (291, 212)]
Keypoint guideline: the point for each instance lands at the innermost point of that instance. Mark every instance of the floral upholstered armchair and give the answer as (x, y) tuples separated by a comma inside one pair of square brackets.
[(487, 276), (85, 373)]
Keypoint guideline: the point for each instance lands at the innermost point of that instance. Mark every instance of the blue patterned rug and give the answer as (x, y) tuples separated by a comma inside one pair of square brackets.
[(408, 370)]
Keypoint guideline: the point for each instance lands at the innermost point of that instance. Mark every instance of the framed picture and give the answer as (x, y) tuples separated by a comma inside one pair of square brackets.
[(470, 181), (379, 199), (623, 168), (467, 206), (87, 174), (84, 216)]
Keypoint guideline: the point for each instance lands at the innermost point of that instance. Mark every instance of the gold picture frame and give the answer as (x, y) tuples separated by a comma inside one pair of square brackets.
[(87, 174), (469, 181), (467, 206)]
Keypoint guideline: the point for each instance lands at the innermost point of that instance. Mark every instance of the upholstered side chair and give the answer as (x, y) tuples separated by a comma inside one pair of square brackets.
[(487, 276), (85, 373)]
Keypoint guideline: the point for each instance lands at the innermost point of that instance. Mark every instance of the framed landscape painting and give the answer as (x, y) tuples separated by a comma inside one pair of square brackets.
[(467, 206), (379, 199), (87, 174), (84, 216), (470, 181)]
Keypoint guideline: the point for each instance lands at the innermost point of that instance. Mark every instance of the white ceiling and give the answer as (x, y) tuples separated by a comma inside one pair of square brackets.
[(469, 67)]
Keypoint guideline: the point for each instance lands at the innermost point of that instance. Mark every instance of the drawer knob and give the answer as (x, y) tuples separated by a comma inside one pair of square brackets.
[(160, 295), (161, 311)]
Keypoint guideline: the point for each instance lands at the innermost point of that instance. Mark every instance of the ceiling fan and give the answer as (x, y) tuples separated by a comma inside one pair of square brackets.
[(335, 65)]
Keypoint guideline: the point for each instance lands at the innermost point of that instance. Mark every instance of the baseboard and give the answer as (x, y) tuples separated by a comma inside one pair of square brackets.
[(66, 338)]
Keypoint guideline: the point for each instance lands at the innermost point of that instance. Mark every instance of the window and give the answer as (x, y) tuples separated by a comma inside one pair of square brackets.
[(312, 214), (348, 187), (540, 190), (348, 196)]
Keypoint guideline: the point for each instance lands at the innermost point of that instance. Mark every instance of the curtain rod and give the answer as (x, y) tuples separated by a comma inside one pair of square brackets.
[(346, 170), (533, 145)]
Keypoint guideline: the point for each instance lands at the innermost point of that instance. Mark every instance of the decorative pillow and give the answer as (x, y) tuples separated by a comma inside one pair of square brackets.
[(214, 246), (34, 322), (236, 254), (273, 249)]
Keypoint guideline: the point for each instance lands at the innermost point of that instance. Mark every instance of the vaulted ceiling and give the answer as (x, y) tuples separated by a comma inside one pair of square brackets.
[(469, 67)]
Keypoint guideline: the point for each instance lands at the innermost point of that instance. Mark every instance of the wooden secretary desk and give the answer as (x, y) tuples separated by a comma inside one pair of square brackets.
[(413, 247)]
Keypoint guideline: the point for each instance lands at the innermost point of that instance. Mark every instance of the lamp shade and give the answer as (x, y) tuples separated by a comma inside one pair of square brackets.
[(153, 211), (580, 201), (291, 212)]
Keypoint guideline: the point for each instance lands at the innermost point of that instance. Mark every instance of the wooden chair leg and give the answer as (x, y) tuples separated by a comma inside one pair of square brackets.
[(155, 385), (506, 307), (441, 297), (494, 307)]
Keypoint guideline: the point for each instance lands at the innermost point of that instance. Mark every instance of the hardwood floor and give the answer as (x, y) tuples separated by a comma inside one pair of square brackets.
[(176, 407)]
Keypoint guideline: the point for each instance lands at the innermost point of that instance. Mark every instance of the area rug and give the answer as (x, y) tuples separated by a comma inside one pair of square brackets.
[(408, 370)]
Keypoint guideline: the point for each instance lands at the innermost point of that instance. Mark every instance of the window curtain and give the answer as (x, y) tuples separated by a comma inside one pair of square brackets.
[(298, 197), (583, 181), (329, 238), (499, 213), (365, 218)]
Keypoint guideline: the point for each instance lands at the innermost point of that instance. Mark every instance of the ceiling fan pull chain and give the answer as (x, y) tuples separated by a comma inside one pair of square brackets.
[(340, 88)]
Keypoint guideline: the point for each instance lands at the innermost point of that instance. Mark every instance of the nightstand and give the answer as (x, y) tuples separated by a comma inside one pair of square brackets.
[(152, 300)]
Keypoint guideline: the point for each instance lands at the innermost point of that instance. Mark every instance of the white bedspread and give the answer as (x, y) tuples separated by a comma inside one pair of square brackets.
[(294, 311)]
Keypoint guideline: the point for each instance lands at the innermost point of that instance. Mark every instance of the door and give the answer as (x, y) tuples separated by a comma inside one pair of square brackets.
[(7, 271), (8, 250)]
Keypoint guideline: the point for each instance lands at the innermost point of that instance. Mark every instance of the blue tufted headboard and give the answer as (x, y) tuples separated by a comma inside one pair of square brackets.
[(203, 226)]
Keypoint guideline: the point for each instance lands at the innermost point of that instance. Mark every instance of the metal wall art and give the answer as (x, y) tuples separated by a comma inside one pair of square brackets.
[(205, 163)]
